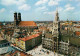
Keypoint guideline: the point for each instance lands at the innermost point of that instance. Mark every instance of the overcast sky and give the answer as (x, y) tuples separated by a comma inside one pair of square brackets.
[(40, 10)]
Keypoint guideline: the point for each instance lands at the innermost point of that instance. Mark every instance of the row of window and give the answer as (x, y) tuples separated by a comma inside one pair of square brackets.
[(4, 45)]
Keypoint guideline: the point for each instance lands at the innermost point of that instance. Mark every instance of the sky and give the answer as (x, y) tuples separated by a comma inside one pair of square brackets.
[(40, 10)]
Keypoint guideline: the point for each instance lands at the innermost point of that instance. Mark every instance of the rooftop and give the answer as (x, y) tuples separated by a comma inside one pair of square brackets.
[(27, 23), (73, 40), (3, 41), (30, 37), (48, 35), (77, 26)]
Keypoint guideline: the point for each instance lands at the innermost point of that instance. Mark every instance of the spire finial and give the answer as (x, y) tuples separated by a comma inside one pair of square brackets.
[(57, 6)]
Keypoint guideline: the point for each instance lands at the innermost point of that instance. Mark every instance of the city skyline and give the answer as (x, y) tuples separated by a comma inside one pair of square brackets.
[(39, 10), (39, 28)]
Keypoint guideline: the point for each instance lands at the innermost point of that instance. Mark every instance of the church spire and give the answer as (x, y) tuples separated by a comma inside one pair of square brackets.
[(57, 16)]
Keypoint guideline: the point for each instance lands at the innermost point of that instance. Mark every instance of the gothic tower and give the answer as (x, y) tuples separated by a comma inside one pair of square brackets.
[(19, 17), (15, 18), (51, 40), (56, 31), (56, 25)]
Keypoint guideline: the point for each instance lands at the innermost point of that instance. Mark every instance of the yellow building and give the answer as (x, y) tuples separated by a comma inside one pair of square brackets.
[(28, 42)]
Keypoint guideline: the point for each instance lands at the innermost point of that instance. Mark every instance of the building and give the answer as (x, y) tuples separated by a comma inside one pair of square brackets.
[(28, 42), (51, 40), (4, 46), (56, 32), (1, 25), (8, 34), (64, 47), (76, 30), (17, 26), (69, 43), (47, 41), (28, 25)]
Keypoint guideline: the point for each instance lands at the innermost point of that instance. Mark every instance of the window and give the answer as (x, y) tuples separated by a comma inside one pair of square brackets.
[(22, 44), (8, 44), (55, 29), (0, 46), (5, 44)]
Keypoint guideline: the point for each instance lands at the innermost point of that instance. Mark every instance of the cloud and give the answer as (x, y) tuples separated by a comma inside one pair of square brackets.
[(77, 0), (53, 2), (69, 7), (50, 13), (43, 8), (21, 4), (24, 7), (60, 9), (12, 2), (70, 0), (41, 2), (2, 10)]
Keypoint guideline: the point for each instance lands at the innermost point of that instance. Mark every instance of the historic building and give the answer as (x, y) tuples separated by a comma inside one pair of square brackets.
[(28, 25), (24, 36), (63, 42), (28, 42), (17, 19), (51, 40), (64, 47), (56, 32), (18, 26)]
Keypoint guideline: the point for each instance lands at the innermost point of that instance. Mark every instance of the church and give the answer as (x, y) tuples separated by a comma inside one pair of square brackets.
[(18, 23)]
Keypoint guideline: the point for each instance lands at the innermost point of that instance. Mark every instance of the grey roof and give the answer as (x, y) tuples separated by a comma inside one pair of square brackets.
[(3, 41)]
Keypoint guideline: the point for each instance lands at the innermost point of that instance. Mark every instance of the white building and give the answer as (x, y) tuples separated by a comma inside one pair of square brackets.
[(4, 46)]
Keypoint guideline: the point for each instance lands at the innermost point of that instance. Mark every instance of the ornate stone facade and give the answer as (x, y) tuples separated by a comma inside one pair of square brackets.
[(51, 40)]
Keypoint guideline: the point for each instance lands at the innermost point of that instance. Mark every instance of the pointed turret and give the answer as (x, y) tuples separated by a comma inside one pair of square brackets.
[(56, 24), (57, 16)]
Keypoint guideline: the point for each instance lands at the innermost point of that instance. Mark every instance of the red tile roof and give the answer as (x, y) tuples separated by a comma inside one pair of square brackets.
[(36, 30), (77, 26), (27, 23), (77, 33), (43, 28), (30, 37)]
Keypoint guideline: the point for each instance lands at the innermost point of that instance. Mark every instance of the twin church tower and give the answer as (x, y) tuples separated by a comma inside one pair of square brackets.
[(17, 18)]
